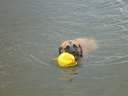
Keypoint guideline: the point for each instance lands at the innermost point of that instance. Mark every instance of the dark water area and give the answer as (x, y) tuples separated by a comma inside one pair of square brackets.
[(31, 31)]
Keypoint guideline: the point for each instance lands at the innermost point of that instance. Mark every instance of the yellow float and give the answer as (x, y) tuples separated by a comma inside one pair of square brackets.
[(66, 60)]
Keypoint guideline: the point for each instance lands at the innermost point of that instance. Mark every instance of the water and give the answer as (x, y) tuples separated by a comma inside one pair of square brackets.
[(31, 31)]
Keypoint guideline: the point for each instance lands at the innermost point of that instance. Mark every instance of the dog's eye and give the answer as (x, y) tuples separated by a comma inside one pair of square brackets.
[(74, 46), (67, 47)]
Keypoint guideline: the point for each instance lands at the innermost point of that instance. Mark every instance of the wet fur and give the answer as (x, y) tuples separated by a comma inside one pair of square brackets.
[(84, 46)]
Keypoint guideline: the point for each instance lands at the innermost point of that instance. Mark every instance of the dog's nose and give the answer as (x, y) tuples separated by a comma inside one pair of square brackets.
[(72, 50)]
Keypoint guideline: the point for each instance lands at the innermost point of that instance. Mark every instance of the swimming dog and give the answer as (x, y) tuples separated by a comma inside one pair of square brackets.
[(78, 47)]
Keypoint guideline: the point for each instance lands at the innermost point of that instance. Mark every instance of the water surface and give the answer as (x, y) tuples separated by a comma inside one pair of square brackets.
[(31, 31)]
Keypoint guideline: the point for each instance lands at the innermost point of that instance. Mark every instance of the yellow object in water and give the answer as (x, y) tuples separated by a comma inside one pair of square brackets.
[(66, 60)]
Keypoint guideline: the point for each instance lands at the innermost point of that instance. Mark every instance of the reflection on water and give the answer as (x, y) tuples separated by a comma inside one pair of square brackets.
[(31, 31)]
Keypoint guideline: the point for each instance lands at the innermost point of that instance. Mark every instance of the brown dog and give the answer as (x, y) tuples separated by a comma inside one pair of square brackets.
[(78, 47)]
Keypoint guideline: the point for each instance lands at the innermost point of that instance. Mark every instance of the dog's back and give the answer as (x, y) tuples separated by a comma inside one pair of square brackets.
[(87, 44)]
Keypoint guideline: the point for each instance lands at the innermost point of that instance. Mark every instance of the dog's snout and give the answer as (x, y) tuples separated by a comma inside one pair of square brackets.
[(70, 49)]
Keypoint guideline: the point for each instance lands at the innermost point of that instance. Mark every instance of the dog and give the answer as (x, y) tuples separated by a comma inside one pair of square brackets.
[(78, 47)]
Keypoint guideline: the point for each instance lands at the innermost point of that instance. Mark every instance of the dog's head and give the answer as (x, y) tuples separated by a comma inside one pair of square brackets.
[(71, 46)]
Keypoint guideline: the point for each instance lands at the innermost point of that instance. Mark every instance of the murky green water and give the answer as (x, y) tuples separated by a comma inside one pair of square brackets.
[(31, 31)]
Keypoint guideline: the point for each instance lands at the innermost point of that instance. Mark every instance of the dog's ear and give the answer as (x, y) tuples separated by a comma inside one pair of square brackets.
[(81, 51), (60, 48)]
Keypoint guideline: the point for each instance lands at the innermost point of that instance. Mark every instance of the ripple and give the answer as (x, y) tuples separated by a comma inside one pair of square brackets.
[(38, 60), (119, 59)]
